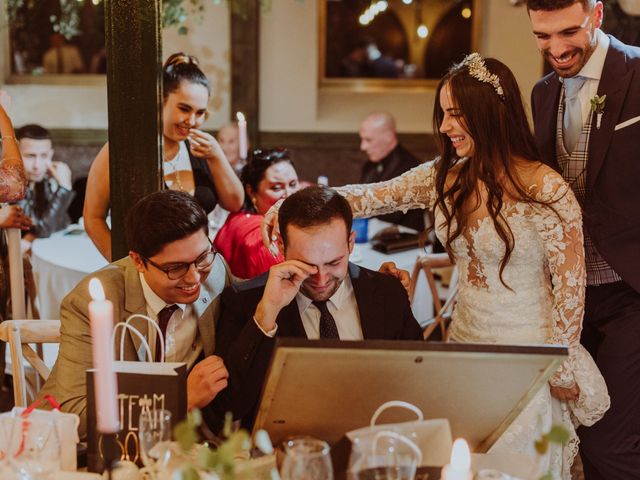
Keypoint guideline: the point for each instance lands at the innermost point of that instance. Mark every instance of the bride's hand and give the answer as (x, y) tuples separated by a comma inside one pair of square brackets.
[(270, 229), (566, 394)]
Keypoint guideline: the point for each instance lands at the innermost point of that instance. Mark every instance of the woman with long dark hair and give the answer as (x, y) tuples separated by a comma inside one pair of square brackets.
[(513, 227), (193, 160)]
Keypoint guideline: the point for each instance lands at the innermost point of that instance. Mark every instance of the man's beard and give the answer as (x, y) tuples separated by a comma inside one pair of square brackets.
[(582, 57), (321, 296)]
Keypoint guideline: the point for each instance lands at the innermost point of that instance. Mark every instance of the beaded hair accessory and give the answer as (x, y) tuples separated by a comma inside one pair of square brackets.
[(478, 70)]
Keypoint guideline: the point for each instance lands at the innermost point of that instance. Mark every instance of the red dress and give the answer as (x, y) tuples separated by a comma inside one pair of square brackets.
[(239, 241)]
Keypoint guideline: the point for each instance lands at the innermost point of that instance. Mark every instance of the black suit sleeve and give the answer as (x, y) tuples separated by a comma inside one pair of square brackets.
[(410, 328), (54, 216), (246, 352)]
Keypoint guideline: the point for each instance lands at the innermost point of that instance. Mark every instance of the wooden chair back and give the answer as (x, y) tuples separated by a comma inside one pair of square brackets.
[(20, 334), (426, 264)]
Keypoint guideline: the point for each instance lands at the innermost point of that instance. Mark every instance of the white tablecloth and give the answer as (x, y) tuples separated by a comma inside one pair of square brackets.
[(59, 263), (367, 257), (62, 260)]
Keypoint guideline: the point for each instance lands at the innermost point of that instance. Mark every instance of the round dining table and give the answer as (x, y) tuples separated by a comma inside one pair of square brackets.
[(65, 258), (59, 263)]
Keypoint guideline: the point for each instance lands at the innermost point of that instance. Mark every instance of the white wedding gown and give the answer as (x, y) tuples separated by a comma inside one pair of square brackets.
[(544, 303)]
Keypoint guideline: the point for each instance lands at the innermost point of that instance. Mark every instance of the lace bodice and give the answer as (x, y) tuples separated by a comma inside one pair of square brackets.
[(530, 308), (540, 302), (543, 301)]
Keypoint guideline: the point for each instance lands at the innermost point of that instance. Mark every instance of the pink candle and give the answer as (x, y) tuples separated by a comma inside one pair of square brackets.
[(460, 466), (242, 135), (105, 383)]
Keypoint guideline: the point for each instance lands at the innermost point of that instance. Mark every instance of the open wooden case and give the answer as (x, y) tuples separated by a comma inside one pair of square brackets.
[(325, 388)]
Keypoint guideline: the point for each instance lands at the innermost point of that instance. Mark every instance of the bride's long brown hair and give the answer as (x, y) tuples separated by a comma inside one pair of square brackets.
[(500, 131)]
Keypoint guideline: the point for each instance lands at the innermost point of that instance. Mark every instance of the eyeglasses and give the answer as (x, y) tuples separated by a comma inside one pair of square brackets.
[(270, 154), (179, 270)]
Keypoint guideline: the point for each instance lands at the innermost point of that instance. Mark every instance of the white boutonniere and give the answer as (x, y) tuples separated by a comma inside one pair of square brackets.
[(597, 107)]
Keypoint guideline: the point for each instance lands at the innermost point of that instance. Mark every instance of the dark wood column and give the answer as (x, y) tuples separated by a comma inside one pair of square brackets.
[(245, 36), (134, 86)]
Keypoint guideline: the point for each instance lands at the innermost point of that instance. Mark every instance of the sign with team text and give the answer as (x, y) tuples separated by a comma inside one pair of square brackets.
[(142, 386)]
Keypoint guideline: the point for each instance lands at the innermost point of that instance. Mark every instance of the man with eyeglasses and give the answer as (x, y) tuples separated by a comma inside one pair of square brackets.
[(173, 276)]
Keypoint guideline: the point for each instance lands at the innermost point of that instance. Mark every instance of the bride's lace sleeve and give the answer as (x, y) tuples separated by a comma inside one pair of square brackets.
[(561, 232), (413, 189)]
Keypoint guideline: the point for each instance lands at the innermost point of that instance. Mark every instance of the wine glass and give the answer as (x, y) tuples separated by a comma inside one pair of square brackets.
[(306, 458), (155, 435), (388, 455)]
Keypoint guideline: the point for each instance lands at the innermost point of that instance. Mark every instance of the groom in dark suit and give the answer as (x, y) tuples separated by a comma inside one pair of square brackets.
[(587, 123), (315, 293)]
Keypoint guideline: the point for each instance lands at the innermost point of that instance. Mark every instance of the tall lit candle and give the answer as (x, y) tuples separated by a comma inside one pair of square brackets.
[(105, 383), (460, 466), (242, 135)]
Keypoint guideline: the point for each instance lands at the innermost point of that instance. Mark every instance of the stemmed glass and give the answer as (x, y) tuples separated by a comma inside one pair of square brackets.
[(33, 450), (306, 458), (155, 436)]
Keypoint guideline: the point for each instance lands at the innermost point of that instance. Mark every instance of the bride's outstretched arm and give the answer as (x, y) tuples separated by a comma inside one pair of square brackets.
[(561, 231), (413, 189)]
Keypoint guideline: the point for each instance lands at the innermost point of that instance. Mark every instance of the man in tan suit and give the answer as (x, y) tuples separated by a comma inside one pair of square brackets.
[(172, 275)]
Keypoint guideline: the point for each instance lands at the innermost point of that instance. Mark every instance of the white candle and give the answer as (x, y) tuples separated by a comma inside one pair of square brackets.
[(105, 382), (242, 135), (460, 466), (16, 274)]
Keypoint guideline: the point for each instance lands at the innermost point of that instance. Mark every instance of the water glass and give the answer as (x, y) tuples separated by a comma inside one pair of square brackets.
[(155, 436), (306, 458), (390, 456)]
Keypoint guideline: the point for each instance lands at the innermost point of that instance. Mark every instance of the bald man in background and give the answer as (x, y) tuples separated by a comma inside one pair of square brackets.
[(229, 139), (387, 159)]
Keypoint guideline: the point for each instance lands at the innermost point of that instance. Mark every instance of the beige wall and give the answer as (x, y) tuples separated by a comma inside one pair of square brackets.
[(290, 99), (85, 106)]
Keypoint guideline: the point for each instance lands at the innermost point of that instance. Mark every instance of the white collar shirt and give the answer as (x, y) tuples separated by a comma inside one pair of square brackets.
[(182, 340), (592, 71), (343, 307)]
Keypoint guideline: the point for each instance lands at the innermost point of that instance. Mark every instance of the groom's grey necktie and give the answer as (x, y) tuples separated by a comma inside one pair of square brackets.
[(572, 122)]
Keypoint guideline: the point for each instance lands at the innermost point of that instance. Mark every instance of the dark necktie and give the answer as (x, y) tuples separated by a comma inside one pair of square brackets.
[(164, 316), (328, 328)]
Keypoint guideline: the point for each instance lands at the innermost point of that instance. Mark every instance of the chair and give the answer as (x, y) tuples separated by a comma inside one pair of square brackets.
[(19, 334), (427, 264)]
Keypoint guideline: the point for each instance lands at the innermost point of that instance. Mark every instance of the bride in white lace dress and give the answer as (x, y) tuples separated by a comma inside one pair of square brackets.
[(514, 229)]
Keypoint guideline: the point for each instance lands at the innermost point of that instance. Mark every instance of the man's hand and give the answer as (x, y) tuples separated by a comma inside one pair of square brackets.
[(390, 268), (282, 286), (566, 394), (12, 216), (205, 381), (61, 173)]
